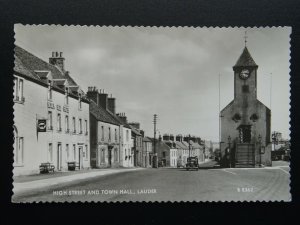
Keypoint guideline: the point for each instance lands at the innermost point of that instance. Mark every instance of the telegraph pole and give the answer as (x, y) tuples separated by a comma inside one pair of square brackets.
[(155, 160), (189, 145)]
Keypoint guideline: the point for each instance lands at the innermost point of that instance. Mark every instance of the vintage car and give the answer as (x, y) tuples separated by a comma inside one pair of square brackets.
[(192, 163)]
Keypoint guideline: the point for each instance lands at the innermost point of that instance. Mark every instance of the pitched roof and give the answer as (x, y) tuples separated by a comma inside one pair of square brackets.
[(180, 145), (101, 114), (37, 69), (135, 131), (146, 139), (245, 59)]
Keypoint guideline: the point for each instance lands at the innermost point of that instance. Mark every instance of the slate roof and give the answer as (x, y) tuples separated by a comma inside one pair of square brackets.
[(146, 139), (245, 59), (101, 114), (119, 120), (180, 145), (36, 69), (135, 131)]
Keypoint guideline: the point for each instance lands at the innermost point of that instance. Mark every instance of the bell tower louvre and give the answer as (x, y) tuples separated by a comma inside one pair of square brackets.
[(245, 121)]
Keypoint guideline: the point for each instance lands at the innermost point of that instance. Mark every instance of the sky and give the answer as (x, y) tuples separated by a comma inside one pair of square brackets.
[(171, 72)]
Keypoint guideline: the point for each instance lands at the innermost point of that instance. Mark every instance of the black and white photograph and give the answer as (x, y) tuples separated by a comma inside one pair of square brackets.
[(144, 114)]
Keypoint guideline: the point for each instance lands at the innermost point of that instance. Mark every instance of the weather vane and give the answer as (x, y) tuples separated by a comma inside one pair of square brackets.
[(246, 38)]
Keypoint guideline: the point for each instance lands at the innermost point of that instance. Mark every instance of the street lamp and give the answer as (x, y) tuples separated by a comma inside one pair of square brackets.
[(260, 153), (229, 150)]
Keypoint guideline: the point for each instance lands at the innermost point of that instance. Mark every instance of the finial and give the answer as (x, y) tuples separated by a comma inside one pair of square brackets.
[(246, 38)]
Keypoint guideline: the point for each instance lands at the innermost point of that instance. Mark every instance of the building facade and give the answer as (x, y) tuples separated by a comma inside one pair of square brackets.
[(51, 119), (106, 132), (245, 122), (147, 152)]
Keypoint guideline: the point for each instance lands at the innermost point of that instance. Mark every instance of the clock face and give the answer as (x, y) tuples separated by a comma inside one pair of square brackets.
[(244, 74)]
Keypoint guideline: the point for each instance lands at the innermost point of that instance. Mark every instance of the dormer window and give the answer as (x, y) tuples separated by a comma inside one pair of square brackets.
[(49, 90), (79, 101)]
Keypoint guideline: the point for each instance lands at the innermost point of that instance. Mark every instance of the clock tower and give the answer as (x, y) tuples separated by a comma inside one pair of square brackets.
[(245, 121), (245, 76)]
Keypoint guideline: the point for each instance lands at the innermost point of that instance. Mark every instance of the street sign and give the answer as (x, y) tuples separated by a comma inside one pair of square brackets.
[(42, 125)]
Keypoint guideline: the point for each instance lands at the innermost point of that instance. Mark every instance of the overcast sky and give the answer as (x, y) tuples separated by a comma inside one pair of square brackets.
[(172, 72)]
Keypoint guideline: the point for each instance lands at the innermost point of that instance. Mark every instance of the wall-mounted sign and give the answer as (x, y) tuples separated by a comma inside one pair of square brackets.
[(50, 105), (42, 125)]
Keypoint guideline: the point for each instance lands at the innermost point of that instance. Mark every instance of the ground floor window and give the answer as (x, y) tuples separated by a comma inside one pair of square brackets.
[(50, 152), (67, 152), (19, 148), (86, 152), (74, 152)]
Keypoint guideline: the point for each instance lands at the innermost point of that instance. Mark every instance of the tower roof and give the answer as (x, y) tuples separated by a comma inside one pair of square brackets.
[(245, 59)]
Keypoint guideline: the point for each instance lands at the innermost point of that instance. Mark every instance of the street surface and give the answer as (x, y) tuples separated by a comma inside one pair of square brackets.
[(166, 184)]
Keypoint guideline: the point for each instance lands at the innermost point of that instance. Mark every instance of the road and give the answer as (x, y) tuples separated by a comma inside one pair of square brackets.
[(166, 184)]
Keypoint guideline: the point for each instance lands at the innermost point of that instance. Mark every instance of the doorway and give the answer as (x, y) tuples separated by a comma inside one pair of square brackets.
[(80, 157)]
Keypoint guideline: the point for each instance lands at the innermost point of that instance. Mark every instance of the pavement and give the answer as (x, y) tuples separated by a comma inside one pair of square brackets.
[(209, 183), (29, 183)]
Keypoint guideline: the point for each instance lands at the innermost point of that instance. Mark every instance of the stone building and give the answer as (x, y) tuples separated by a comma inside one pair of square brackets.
[(245, 121), (137, 140), (147, 152), (51, 115), (110, 134)]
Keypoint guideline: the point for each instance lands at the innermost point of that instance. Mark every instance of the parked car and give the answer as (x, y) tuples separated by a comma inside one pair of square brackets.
[(192, 163)]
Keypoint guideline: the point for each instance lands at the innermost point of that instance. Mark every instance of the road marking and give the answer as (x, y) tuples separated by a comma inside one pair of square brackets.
[(284, 171), (229, 171)]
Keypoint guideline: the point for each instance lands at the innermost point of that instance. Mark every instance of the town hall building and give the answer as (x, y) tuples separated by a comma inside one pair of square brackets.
[(245, 121)]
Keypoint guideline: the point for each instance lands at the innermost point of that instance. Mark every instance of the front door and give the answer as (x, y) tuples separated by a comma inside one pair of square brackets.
[(59, 157), (109, 155)]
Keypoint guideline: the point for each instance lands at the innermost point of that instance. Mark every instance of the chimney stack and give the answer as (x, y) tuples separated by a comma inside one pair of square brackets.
[(166, 137), (93, 94), (179, 137), (103, 99), (171, 137), (111, 104), (122, 117), (57, 59)]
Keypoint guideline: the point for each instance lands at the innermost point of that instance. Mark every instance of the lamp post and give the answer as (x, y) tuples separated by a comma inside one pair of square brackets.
[(189, 145), (260, 153), (155, 160), (229, 150)]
